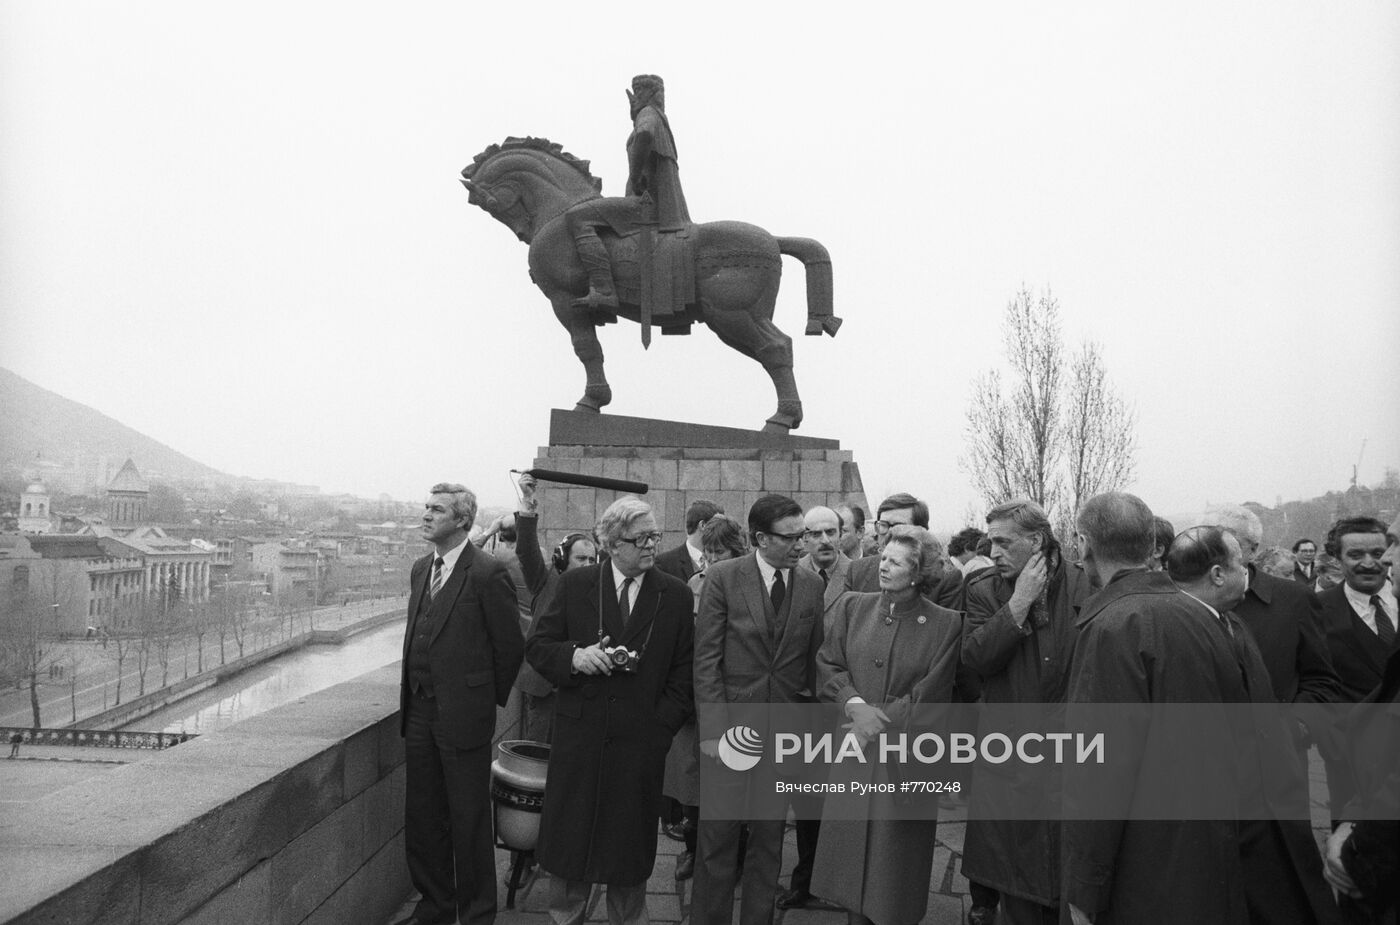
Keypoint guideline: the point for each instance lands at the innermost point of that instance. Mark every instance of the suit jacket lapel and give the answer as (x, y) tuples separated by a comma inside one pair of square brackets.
[(800, 594), (835, 581), (1367, 642), (417, 589), (648, 600), (751, 580)]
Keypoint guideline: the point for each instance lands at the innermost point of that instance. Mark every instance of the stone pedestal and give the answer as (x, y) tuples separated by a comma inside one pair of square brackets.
[(681, 463)]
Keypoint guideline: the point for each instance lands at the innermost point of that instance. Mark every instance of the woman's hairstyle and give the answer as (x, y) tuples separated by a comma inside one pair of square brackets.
[(724, 532), (928, 553)]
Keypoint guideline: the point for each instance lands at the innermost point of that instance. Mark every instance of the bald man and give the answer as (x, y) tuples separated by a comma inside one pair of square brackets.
[(821, 538)]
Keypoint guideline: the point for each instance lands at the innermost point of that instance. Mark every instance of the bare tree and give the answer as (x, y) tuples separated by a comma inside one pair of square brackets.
[(1056, 433), (29, 628), (1100, 437)]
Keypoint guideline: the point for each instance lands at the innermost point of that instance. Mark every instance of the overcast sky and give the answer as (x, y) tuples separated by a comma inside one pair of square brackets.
[(239, 229)]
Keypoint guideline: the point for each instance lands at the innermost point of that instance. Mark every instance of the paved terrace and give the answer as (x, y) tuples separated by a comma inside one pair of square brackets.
[(292, 817)]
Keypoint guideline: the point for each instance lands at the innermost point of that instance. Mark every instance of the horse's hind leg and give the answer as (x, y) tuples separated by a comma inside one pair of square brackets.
[(760, 339), (584, 335)]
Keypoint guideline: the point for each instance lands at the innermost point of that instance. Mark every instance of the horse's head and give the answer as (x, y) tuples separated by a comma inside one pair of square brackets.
[(527, 182)]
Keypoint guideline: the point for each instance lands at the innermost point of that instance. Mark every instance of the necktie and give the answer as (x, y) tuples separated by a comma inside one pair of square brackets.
[(1384, 628), (624, 600), (826, 579), (436, 586), (778, 592)]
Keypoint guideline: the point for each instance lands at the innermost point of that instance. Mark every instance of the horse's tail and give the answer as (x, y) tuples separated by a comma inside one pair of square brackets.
[(818, 263)]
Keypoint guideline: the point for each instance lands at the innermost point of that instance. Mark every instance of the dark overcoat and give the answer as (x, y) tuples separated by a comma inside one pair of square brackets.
[(611, 732), (1285, 620), (1142, 641), (897, 659), (1018, 664)]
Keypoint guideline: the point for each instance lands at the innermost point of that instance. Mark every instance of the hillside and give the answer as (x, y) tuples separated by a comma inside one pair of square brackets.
[(78, 446)]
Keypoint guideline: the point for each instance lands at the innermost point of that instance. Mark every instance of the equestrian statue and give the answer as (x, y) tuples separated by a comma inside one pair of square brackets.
[(640, 257)]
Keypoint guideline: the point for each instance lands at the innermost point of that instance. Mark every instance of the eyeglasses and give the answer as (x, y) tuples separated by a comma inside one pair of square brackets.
[(884, 526), (643, 541), (829, 533), (789, 537)]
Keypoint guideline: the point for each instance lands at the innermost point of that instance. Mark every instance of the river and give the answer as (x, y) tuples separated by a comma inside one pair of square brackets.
[(282, 680)]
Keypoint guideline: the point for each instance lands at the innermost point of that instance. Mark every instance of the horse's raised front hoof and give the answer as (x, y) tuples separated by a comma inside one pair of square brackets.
[(594, 398)]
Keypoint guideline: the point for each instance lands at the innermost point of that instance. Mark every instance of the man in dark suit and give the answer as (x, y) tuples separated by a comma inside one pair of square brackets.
[(688, 558), (1363, 853), (615, 715), (821, 539), (1143, 641), (1017, 640), (1286, 623), (1358, 617), (901, 508), (461, 653), (756, 640), (1304, 562)]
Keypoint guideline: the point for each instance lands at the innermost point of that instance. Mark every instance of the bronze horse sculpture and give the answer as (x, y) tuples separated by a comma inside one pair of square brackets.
[(528, 184)]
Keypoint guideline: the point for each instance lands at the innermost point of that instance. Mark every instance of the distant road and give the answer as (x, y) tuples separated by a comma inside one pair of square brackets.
[(96, 686)]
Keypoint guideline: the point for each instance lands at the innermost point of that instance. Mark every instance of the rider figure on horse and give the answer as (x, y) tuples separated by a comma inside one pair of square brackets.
[(653, 179)]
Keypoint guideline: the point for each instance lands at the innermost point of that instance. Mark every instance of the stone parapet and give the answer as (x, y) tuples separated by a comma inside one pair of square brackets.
[(291, 817)]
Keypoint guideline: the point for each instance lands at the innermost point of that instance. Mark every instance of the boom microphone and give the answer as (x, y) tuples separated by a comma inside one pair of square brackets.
[(590, 481)]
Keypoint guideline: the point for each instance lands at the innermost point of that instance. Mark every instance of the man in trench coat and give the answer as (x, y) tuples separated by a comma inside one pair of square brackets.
[(612, 726), (1018, 640)]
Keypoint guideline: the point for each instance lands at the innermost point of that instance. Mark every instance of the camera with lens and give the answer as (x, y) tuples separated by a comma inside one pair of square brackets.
[(623, 659)]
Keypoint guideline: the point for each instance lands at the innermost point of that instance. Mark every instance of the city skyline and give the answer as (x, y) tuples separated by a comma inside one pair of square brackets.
[(272, 267)]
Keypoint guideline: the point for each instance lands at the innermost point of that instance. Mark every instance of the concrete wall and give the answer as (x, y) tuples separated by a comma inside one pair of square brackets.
[(293, 817)]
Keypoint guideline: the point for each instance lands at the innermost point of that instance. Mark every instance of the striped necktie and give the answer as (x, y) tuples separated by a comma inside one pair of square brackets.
[(1384, 628), (436, 585)]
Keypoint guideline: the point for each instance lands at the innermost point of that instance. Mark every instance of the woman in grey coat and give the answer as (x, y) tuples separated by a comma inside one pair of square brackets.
[(886, 653)]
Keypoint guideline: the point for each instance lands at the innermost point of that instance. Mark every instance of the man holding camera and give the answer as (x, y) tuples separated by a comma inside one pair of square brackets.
[(617, 641)]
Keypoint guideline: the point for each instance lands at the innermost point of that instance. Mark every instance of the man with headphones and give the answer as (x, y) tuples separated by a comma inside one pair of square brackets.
[(578, 550)]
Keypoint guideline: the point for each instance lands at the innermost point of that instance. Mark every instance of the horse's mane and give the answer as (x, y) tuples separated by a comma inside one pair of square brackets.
[(543, 145)]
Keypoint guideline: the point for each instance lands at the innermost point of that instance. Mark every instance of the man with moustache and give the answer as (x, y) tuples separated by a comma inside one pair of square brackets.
[(1142, 641), (462, 650), (821, 537), (821, 534), (1359, 620), (1017, 640), (615, 715), (1363, 854), (756, 640)]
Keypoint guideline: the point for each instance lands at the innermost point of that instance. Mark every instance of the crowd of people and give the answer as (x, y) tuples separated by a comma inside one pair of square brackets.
[(637, 657)]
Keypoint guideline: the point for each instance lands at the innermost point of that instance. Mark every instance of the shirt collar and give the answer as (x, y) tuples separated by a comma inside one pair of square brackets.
[(619, 578), (449, 558), (766, 570), (696, 553), (1204, 604), (1361, 602)]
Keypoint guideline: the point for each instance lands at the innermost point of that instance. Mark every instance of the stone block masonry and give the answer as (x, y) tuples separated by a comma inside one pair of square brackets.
[(681, 463)]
